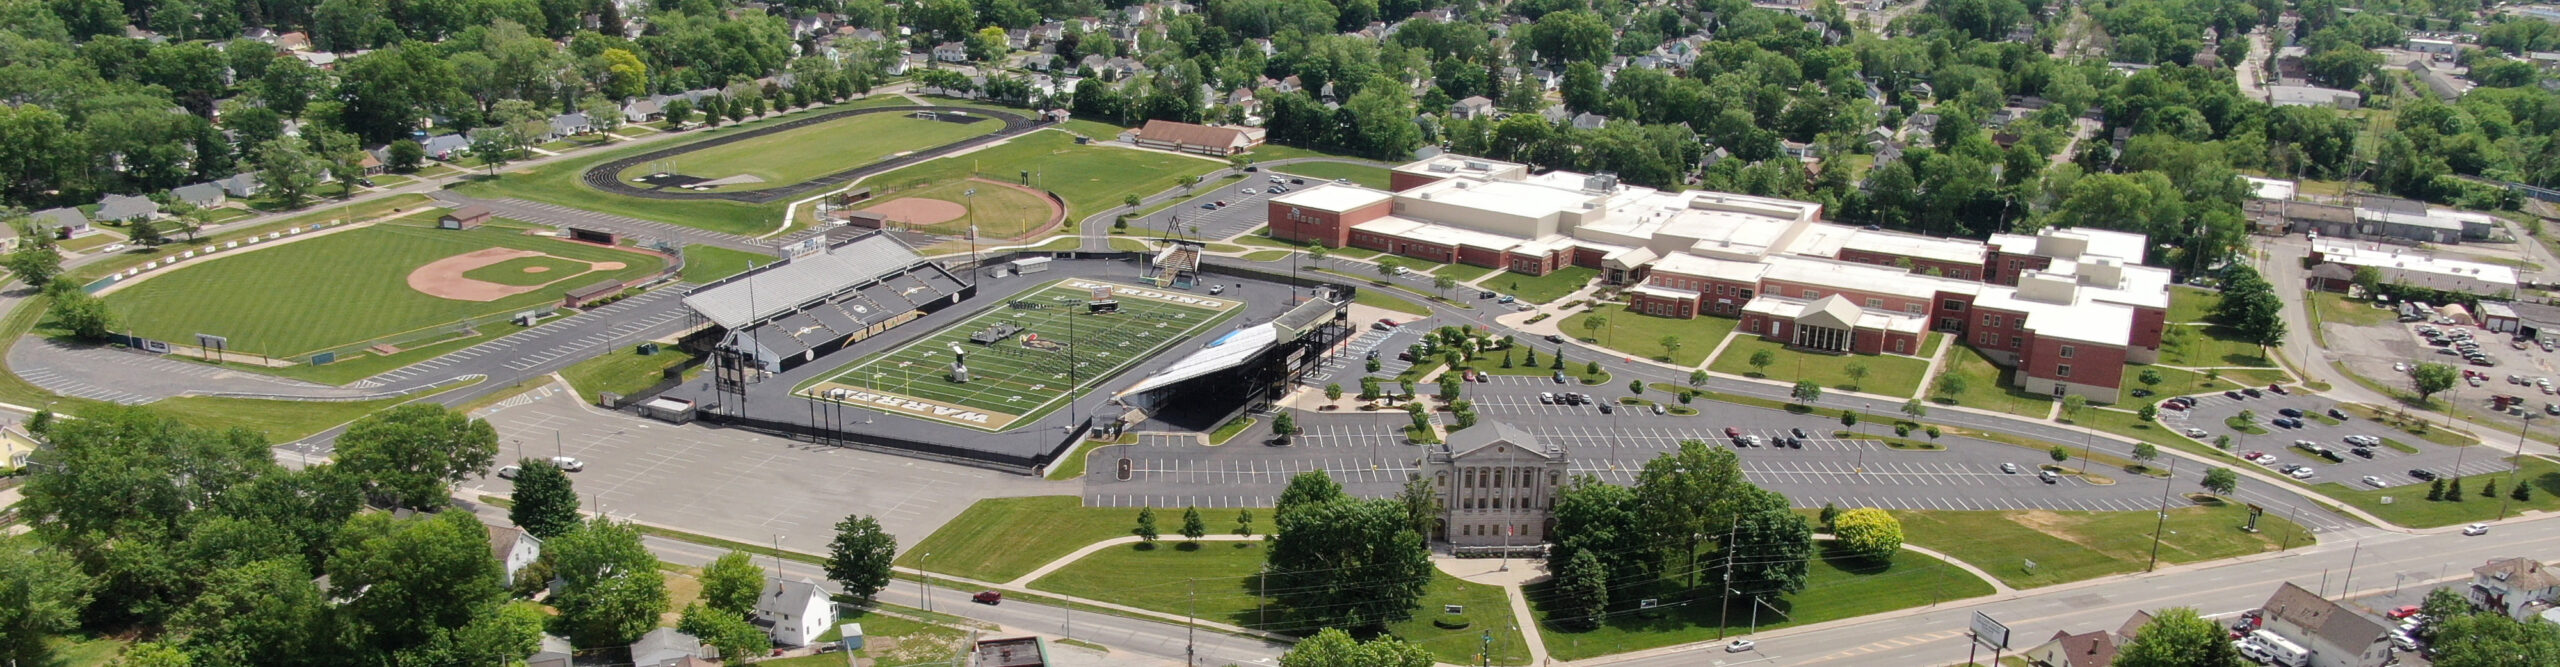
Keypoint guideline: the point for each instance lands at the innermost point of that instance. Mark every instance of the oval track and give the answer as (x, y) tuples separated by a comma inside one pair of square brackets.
[(606, 176)]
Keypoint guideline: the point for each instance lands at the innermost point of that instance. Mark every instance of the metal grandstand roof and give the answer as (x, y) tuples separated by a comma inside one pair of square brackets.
[(1226, 352), (765, 293)]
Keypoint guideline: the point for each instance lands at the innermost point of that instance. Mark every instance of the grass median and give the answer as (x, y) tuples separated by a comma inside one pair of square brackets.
[(2071, 546), (2408, 505), (1887, 374), (1837, 586), (1636, 334), (998, 539)]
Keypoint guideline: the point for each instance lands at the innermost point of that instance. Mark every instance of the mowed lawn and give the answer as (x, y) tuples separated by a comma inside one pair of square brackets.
[(1165, 577), (1888, 374), (1625, 330), (346, 287), (803, 153), (1984, 387), (1091, 178), (1542, 289), (2191, 304), (998, 539), (2071, 546), (2409, 505), (1836, 586), (706, 263), (999, 212)]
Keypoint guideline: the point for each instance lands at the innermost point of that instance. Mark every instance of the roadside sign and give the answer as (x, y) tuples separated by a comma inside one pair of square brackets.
[(1990, 632)]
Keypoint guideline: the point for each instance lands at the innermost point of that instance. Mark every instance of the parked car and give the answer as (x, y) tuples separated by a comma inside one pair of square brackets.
[(1297, 181), (2277, 388), (2252, 392), (1249, 191), (1545, 398), (2404, 611), (2337, 414), (2049, 477), (2009, 468), (2233, 395), (1732, 432), (1211, 207), (2362, 452), (1555, 338), (1484, 294), (568, 464), (2193, 432), (1658, 409), (2476, 529), (509, 472), (1608, 409), (1740, 645), (2289, 412), (2302, 473), (2422, 474), (987, 597), (2372, 481)]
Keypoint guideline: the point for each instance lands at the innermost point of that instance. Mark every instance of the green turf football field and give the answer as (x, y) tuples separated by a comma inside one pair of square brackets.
[(803, 153), (1023, 378), (342, 288)]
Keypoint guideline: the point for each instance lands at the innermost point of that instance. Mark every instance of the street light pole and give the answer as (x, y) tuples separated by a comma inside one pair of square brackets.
[(2512, 476), (924, 581)]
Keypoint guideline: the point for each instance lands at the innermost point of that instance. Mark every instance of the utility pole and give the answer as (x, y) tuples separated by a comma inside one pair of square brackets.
[(1725, 606), (1191, 631), (2345, 583), (924, 581), (2512, 479), (2162, 525)]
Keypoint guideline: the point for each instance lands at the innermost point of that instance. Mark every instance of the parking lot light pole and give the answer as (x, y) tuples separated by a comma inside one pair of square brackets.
[(924, 581)]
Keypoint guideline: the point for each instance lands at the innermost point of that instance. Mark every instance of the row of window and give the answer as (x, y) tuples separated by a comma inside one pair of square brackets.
[(1516, 503), (1475, 530)]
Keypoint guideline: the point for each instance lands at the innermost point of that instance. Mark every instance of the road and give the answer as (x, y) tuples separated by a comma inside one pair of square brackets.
[(1935, 636), (2253, 72)]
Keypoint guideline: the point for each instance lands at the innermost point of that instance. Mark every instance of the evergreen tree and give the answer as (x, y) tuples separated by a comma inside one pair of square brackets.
[(1146, 530), (1192, 526), (1582, 587)]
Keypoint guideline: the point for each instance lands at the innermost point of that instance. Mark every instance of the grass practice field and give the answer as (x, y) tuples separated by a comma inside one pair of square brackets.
[(1026, 374), (784, 158), (999, 211), (348, 287), (1092, 179)]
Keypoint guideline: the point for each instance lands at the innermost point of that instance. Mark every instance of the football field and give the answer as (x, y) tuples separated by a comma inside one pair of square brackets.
[(1049, 346)]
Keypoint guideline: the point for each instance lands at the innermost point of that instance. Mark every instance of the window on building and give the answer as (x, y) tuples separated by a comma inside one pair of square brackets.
[(1990, 320), (2014, 342), (2062, 371), (1911, 308), (1755, 326), (2066, 351), (1898, 346), (1873, 302), (1743, 292), (1811, 293), (1952, 305)]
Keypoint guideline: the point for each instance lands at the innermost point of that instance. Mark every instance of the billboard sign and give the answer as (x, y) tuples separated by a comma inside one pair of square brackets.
[(1989, 632)]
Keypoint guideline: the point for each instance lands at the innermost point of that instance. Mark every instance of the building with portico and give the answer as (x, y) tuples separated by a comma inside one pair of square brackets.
[(1496, 486)]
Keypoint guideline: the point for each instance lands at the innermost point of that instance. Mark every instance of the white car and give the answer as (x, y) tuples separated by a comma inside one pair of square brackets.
[(1247, 191), (2476, 529), (2303, 473), (509, 472), (568, 464), (1740, 645), (2372, 481), (2195, 433), (2399, 368)]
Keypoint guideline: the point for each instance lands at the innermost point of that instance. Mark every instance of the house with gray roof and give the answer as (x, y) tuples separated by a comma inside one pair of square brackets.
[(208, 194), (795, 611), (568, 125), (65, 222), (447, 147), (665, 647), (124, 208), (243, 184)]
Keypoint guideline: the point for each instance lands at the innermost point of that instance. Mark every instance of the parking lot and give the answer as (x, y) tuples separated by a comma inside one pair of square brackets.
[(2389, 465), (1367, 453), (1243, 212)]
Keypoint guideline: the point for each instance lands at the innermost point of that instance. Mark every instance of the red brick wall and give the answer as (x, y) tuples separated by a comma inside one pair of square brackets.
[(1291, 223), (2005, 267), (1939, 313), (2091, 364), (1398, 181), (1475, 256), (2148, 323), (1535, 264), (1866, 341), (1586, 257), (1995, 330), (1887, 302), (1896, 342), (1663, 306)]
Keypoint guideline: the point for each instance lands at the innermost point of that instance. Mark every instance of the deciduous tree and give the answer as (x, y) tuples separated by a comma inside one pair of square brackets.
[(610, 589), (858, 559), (1868, 532), (732, 584), (2177, 637), (1331, 647), (546, 502), (1346, 563), (407, 455)]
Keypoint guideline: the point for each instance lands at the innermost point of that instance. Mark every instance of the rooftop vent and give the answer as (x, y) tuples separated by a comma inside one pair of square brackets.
[(1479, 165), (1443, 168)]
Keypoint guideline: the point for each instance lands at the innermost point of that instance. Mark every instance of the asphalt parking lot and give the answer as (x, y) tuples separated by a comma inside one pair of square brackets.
[(2390, 465), (1243, 212), (1367, 453)]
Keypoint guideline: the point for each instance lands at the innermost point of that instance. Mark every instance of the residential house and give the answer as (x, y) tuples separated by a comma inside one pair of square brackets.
[(1477, 106), (553, 651), (951, 52), (1214, 140), (243, 184), (1589, 121), (2521, 588), (64, 222), (373, 163), (446, 147), (1018, 38), (200, 195), (294, 41), (2336, 635), (1877, 137), (1243, 98), (1920, 124), (9, 241), (568, 125), (127, 208), (514, 549), (2096, 648), (643, 110), (795, 611), (665, 647)]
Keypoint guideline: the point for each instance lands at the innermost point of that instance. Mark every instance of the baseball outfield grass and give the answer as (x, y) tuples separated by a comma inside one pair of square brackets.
[(1092, 179), (338, 289), (800, 154), (1000, 212)]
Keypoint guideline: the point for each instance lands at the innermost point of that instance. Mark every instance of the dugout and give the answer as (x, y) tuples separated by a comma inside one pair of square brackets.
[(1245, 369), (595, 236)]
